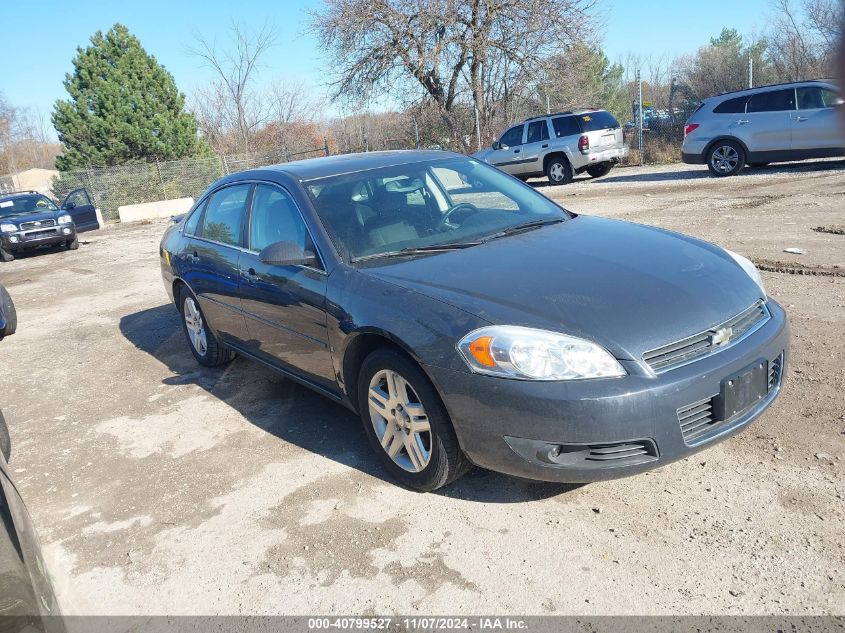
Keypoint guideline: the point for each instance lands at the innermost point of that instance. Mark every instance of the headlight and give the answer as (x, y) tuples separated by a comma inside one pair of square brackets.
[(8, 228), (65, 219), (529, 354), (750, 269)]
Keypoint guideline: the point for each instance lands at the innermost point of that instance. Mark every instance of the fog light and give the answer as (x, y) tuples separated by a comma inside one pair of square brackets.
[(66, 231), (13, 239)]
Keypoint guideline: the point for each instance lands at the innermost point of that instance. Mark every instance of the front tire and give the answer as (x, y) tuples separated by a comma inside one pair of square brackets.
[(406, 422), (205, 346), (559, 171), (602, 169), (726, 158), (10, 312), (73, 244), (6, 256)]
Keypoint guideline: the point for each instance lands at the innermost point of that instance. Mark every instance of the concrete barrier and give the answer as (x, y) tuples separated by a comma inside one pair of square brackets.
[(153, 210)]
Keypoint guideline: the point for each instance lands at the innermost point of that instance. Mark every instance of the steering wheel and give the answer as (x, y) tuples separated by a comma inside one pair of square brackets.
[(444, 221)]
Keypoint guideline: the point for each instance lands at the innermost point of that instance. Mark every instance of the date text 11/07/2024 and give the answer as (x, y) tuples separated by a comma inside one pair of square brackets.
[(419, 623)]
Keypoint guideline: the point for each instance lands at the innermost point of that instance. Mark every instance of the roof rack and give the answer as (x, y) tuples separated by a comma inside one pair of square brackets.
[(543, 116), (783, 83)]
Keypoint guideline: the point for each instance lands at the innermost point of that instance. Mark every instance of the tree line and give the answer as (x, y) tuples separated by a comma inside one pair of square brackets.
[(447, 73)]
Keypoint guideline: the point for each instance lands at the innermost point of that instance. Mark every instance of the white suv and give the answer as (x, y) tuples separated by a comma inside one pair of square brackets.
[(559, 146), (764, 125)]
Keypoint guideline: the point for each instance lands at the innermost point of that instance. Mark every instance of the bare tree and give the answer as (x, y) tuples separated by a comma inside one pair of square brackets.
[(235, 66), (445, 49), (803, 40), (24, 139)]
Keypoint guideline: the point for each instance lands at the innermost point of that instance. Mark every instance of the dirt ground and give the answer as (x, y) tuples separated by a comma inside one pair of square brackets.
[(158, 486)]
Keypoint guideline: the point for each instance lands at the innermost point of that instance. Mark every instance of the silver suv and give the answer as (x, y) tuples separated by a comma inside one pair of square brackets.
[(765, 125), (559, 146)]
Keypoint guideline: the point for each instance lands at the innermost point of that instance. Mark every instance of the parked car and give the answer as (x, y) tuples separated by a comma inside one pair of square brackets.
[(559, 146), (469, 319), (769, 124), (30, 220), (27, 600)]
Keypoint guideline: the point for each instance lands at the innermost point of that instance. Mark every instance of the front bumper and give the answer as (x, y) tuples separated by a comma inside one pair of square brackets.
[(23, 240), (572, 431)]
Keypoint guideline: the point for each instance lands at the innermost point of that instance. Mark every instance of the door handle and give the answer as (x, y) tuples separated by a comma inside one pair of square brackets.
[(742, 121), (800, 118), (193, 257), (544, 146)]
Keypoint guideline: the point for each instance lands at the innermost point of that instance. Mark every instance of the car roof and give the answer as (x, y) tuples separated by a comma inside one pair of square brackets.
[(575, 112), (750, 91), (339, 164), (20, 194)]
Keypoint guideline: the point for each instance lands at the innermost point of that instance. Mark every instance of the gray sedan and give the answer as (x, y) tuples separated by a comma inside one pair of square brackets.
[(469, 319)]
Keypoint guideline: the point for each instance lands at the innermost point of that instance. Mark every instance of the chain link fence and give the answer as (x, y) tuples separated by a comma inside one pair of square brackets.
[(113, 187)]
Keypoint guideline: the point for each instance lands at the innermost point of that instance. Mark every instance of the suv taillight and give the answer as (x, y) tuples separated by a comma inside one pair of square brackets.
[(583, 143), (690, 127)]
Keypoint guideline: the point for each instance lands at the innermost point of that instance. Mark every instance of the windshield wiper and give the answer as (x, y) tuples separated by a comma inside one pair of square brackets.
[(527, 226), (430, 248)]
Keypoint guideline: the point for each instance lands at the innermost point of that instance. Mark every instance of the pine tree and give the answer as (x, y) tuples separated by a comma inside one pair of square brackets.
[(123, 107)]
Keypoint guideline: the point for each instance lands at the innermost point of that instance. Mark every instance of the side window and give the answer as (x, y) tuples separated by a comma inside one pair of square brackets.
[(224, 215), (275, 218), (772, 101), (565, 126), (816, 98), (731, 106), (512, 137), (78, 198), (538, 131), (191, 223)]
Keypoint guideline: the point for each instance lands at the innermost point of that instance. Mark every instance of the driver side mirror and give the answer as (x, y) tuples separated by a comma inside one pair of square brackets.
[(287, 254), (495, 145)]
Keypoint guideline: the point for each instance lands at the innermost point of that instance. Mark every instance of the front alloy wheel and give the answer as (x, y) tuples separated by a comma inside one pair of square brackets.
[(406, 422), (400, 421)]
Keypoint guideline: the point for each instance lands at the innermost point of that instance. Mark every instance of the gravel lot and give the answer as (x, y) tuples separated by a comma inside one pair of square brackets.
[(158, 486)]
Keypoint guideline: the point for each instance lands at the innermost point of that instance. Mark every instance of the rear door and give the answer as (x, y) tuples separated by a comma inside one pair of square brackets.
[(212, 256), (509, 153), (766, 124), (79, 206), (536, 145), (285, 306), (815, 124)]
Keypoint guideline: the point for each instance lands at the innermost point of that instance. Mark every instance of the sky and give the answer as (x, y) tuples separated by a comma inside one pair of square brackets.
[(40, 37)]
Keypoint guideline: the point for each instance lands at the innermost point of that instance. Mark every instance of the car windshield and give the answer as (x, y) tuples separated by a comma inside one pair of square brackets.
[(25, 204), (444, 203)]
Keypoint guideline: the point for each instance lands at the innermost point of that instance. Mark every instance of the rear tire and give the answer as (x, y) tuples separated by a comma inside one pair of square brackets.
[(73, 244), (205, 346), (6, 256), (400, 407), (559, 171), (5, 440), (602, 169), (10, 312), (726, 158)]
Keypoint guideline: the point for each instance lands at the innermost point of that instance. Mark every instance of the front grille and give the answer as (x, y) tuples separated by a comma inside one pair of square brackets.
[(627, 454), (674, 354), (38, 235), (26, 226), (698, 420)]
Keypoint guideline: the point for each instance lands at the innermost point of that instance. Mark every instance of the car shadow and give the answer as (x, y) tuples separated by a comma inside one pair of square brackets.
[(309, 420)]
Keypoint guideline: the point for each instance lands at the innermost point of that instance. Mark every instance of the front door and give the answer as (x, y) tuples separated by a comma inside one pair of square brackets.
[(536, 144), (213, 255), (285, 306), (815, 124), (78, 206), (509, 150)]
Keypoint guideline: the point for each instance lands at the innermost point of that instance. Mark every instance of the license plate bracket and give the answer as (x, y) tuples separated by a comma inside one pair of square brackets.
[(741, 391)]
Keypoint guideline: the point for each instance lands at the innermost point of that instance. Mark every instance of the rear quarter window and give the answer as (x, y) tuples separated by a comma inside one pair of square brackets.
[(731, 106), (592, 121), (565, 126)]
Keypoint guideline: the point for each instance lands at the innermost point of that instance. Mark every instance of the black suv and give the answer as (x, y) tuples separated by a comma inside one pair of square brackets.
[(29, 219)]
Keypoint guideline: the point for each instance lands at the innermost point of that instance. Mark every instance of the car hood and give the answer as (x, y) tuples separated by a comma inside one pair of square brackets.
[(29, 217), (484, 154), (628, 287)]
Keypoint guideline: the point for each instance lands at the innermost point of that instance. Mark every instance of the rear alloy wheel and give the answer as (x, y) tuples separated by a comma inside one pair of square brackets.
[(602, 169), (726, 158), (406, 422), (559, 172), (205, 346)]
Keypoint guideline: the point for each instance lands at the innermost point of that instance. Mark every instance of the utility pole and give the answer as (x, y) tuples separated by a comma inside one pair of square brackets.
[(750, 70), (640, 116), (548, 106)]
